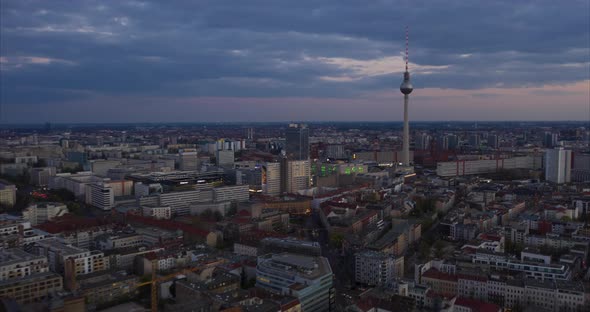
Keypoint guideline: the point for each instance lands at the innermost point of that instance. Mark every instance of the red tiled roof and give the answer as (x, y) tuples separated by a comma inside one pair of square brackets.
[(476, 305), (72, 223), (244, 213), (436, 274), (168, 225)]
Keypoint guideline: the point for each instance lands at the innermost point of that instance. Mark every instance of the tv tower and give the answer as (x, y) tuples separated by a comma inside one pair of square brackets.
[(406, 88)]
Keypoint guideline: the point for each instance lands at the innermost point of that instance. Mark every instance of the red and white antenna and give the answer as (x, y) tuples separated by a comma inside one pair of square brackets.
[(407, 52)]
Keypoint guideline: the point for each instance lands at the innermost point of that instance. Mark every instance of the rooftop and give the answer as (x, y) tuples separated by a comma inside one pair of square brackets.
[(16, 255)]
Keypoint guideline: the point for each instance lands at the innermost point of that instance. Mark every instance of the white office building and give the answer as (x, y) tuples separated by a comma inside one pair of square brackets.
[(298, 175), (100, 195), (558, 165), (271, 179)]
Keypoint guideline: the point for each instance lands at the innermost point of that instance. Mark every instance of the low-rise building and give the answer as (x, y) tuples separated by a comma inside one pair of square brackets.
[(42, 212), (16, 263), (31, 288), (158, 212)]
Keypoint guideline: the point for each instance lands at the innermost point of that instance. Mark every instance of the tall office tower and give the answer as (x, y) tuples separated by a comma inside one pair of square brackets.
[(297, 142), (271, 179), (406, 88), (558, 165), (452, 141), (550, 139), (474, 140), (442, 143), (493, 141), (249, 134), (423, 141)]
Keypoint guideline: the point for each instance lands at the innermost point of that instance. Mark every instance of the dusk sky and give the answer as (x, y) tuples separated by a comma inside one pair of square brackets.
[(217, 60)]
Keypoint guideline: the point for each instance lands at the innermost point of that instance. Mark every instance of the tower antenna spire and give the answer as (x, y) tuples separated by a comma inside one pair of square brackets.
[(407, 50)]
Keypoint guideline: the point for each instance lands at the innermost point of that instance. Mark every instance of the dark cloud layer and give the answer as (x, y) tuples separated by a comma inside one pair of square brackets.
[(61, 50)]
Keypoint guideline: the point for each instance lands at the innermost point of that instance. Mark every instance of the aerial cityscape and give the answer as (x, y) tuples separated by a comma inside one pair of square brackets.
[(272, 156)]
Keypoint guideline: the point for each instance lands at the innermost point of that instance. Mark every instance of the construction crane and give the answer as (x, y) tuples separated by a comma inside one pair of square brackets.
[(156, 280)]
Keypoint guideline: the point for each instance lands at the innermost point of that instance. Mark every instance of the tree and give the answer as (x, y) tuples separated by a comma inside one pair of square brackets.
[(336, 239), (439, 247), (217, 215), (424, 250)]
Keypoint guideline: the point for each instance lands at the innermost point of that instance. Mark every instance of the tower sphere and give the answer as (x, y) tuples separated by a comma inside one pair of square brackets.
[(406, 86)]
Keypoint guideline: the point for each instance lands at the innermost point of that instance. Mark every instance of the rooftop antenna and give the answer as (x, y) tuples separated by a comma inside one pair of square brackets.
[(407, 50)]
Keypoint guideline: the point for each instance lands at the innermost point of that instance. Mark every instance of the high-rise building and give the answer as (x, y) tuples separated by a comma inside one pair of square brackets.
[(558, 165), (474, 140), (298, 175), (249, 134), (309, 279), (423, 141), (493, 141), (581, 167), (271, 179), (550, 139), (297, 145), (452, 141)]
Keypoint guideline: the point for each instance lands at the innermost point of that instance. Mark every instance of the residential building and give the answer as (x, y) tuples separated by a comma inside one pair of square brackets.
[(374, 268), (290, 245), (44, 211), (32, 288), (16, 263), (57, 253), (164, 212)]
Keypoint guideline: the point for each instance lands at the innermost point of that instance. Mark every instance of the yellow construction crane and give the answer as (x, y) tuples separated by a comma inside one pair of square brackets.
[(156, 280)]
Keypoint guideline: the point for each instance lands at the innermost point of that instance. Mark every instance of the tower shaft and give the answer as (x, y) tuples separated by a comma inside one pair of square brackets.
[(406, 136)]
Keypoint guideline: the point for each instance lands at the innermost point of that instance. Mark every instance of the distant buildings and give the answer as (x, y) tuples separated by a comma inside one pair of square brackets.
[(558, 165), (470, 167)]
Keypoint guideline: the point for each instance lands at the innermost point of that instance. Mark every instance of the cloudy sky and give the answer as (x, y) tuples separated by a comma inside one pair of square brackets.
[(284, 60)]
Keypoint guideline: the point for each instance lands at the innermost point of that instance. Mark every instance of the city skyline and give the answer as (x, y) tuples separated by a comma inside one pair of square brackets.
[(134, 61)]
